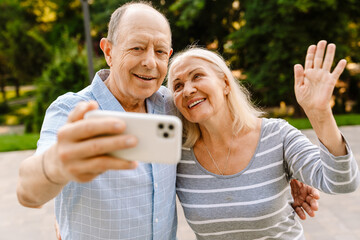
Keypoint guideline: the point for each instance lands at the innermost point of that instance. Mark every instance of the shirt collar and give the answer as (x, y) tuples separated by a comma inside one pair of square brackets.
[(102, 94)]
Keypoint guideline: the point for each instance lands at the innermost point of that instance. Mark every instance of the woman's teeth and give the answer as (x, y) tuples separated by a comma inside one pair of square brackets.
[(196, 103)]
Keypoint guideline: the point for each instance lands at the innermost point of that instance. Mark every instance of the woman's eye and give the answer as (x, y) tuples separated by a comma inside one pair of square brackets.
[(197, 76), (177, 87)]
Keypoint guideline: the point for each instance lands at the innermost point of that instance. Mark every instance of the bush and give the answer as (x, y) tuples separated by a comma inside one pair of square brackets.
[(4, 108), (66, 72)]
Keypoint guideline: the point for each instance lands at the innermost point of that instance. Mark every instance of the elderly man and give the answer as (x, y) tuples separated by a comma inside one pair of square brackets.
[(137, 203), (71, 162)]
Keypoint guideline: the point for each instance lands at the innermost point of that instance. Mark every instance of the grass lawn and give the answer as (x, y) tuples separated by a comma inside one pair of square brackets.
[(18, 142), (341, 120)]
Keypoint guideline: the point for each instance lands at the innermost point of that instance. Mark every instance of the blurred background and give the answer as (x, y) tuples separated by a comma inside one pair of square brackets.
[(49, 47), (45, 51)]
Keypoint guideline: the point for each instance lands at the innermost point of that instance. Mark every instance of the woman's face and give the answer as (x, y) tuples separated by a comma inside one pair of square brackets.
[(199, 90)]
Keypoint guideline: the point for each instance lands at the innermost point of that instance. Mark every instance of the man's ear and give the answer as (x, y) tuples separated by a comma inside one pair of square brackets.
[(171, 52), (106, 47)]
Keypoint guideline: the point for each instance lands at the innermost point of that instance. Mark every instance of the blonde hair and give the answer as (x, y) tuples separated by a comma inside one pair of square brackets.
[(113, 28), (243, 112)]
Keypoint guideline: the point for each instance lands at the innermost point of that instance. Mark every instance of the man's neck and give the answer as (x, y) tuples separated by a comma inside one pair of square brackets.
[(141, 108), (129, 104)]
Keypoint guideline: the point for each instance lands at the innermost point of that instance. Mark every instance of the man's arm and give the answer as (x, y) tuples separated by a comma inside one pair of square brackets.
[(80, 154), (305, 199)]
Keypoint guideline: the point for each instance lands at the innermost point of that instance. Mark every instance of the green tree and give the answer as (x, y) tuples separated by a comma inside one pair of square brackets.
[(202, 22), (66, 72), (24, 52), (276, 34)]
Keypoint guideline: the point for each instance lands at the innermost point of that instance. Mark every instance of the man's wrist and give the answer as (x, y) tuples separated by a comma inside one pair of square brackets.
[(49, 169), (43, 167)]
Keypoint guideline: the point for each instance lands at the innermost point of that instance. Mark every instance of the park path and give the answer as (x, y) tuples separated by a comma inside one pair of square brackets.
[(337, 219)]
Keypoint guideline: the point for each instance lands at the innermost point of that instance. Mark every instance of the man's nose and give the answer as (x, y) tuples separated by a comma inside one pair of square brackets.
[(149, 60)]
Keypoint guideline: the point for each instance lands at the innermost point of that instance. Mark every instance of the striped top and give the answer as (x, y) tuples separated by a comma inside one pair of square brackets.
[(256, 202)]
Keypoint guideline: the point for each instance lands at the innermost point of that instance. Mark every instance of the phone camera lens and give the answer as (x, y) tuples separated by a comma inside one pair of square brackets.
[(166, 135), (171, 127), (161, 126)]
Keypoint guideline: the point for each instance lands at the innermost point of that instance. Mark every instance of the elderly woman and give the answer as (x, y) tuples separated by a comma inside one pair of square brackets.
[(233, 179)]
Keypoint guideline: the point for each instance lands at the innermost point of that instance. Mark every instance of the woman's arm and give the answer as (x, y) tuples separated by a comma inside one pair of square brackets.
[(333, 168), (314, 87)]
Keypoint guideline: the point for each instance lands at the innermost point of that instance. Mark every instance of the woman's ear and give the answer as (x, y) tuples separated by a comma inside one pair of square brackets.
[(106, 47), (227, 86)]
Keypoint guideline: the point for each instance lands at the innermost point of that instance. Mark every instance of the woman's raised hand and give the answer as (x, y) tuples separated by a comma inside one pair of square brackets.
[(315, 83)]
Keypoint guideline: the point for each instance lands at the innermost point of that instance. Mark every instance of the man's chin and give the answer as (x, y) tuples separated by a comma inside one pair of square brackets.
[(146, 92)]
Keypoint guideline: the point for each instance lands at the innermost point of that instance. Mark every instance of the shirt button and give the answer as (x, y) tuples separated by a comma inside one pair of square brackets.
[(156, 220), (155, 185)]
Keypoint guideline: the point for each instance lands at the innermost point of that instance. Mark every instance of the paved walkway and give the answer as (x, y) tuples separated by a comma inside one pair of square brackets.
[(337, 219)]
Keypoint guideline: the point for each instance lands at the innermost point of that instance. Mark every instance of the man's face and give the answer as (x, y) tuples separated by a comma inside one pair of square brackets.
[(139, 58)]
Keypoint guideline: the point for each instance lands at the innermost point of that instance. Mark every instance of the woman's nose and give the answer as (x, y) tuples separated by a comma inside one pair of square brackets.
[(189, 89)]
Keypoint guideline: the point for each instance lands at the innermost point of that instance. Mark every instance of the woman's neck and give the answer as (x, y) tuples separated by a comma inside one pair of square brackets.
[(217, 132)]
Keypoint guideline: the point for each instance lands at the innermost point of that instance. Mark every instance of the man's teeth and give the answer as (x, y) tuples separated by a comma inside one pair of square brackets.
[(196, 102)]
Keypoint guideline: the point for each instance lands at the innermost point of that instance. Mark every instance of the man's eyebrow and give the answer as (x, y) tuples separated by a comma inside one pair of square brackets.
[(136, 41)]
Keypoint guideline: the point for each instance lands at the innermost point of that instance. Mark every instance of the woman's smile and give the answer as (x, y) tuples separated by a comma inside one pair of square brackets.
[(193, 103)]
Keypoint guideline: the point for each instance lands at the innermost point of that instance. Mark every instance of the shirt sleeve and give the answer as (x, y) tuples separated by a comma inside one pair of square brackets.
[(316, 166), (55, 117)]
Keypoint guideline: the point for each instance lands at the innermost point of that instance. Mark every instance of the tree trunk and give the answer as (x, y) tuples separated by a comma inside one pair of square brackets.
[(17, 87), (2, 86)]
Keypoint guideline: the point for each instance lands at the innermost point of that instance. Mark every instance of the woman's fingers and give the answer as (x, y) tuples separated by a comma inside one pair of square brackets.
[(339, 69), (299, 75), (309, 59), (319, 54), (329, 57)]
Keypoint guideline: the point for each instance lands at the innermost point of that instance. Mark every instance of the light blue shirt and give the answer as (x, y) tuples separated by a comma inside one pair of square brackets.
[(126, 204)]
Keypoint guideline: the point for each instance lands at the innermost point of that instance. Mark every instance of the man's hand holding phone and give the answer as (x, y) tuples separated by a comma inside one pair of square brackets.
[(159, 137), (81, 150)]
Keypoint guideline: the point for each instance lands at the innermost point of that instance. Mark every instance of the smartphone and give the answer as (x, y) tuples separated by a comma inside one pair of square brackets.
[(159, 136)]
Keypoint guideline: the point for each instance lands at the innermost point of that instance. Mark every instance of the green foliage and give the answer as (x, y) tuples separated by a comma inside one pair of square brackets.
[(18, 142), (66, 72), (187, 10), (201, 22), (16, 110), (24, 52), (276, 35), (4, 108), (264, 39)]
